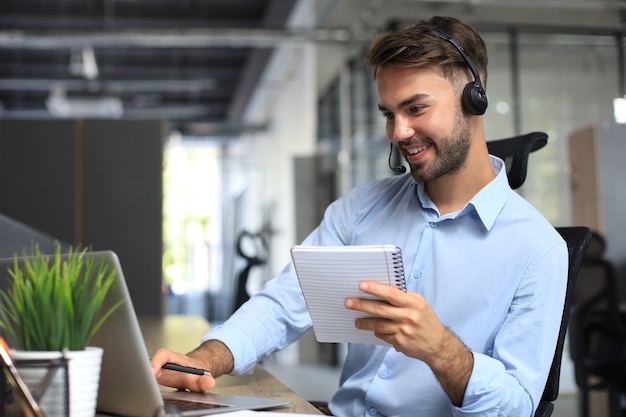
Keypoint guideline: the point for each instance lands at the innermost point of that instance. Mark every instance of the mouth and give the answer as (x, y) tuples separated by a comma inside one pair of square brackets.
[(416, 150), (415, 153)]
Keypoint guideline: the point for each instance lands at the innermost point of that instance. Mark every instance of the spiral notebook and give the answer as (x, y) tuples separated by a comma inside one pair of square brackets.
[(330, 274)]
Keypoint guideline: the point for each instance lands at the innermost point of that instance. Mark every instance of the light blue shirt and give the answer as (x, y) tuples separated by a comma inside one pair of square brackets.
[(495, 273)]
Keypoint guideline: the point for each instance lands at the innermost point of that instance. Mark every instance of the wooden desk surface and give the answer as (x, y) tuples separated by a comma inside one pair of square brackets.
[(179, 333), (263, 384), (182, 333)]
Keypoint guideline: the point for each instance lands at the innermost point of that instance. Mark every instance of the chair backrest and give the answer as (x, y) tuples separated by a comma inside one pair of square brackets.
[(577, 239), (515, 151)]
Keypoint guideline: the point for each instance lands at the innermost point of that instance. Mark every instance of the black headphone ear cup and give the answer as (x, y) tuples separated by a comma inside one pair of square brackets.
[(474, 98)]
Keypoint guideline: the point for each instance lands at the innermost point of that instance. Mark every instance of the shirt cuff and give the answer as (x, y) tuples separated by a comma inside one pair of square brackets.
[(485, 387)]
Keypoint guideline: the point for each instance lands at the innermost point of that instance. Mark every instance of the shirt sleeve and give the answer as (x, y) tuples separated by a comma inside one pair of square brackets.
[(271, 320), (277, 315), (511, 381)]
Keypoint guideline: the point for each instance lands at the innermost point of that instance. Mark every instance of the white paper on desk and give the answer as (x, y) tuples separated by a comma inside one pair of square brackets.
[(250, 413)]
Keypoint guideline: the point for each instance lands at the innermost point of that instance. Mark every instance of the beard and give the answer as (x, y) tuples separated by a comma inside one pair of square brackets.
[(451, 155)]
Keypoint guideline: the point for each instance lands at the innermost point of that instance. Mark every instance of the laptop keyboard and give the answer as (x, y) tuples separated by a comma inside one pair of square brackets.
[(186, 405)]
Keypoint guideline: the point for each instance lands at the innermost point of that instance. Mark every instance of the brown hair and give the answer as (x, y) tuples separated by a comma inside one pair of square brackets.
[(421, 45)]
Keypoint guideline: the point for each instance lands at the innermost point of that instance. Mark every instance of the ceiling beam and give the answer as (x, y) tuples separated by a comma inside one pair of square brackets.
[(109, 86), (538, 4), (232, 38), (173, 38)]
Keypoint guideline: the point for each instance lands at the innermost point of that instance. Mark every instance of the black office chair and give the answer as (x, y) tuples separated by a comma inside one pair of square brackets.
[(253, 247), (577, 239), (515, 151), (597, 332)]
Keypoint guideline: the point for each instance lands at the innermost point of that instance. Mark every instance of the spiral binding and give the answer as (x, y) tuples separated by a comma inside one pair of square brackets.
[(398, 268)]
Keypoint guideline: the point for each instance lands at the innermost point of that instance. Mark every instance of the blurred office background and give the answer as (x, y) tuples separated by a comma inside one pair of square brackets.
[(202, 139)]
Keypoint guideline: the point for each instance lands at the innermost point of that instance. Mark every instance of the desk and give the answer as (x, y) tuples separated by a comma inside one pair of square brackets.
[(179, 333), (263, 384), (182, 333)]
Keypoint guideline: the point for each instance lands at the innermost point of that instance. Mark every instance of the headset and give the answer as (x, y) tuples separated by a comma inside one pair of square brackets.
[(474, 96)]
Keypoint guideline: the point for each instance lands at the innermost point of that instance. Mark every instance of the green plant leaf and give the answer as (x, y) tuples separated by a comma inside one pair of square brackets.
[(54, 302)]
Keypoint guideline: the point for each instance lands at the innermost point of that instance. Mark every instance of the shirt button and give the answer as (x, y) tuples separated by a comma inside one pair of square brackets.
[(434, 224), (417, 274), (382, 374), (373, 411)]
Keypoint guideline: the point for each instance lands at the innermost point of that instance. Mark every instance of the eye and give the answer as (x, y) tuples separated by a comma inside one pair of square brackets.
[(416, 109), (387, 115)]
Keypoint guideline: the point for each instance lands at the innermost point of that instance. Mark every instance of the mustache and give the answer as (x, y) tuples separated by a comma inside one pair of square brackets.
[(415, 142)]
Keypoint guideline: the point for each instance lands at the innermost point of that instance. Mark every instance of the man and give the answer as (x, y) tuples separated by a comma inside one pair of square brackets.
[(486, 273)]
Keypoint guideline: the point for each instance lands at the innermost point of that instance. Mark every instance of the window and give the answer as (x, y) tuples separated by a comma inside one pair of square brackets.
[(191, 219)]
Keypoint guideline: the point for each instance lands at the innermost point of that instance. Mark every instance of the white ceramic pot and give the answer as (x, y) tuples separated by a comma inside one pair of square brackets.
[(84, 377)]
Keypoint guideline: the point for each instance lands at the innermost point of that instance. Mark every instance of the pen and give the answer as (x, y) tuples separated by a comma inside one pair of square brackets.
[(187, 369)]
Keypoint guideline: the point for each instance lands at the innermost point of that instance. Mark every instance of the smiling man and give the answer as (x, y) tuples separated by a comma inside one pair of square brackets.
[(475, 333)]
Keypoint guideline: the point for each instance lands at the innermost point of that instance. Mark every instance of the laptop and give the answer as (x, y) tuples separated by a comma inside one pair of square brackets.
[(127, 385)]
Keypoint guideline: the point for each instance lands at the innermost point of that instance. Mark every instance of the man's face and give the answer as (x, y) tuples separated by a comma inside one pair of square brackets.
[(424, 118)]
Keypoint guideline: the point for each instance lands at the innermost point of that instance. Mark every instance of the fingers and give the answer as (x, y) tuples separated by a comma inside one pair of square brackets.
[(161, 357), (402, 319), (176, 379), (392, 295), (383, 310)]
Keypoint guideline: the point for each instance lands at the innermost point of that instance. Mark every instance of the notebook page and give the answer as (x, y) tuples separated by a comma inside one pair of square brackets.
[(329, 275)]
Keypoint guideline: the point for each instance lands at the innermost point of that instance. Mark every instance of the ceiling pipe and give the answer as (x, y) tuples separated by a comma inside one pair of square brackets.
[(110, 86), (538, 4), (232, 38), (190, 38)]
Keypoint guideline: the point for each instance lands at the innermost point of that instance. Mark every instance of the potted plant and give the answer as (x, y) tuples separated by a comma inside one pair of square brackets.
[(53, 305)]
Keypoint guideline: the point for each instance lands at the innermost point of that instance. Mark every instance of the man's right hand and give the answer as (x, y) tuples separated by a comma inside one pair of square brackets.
[(212, 355), (180, 380)]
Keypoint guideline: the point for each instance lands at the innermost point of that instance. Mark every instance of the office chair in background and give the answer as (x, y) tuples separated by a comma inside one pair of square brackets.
[(514, 152), (597, 333), (254, 248)]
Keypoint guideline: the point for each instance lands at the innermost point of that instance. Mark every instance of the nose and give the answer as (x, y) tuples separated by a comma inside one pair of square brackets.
[(401, 130)]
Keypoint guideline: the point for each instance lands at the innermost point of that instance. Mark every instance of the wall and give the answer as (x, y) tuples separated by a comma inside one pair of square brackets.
[(95, 183)]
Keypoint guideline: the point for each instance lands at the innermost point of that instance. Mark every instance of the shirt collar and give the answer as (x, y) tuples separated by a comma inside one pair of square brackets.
[(487, 203)]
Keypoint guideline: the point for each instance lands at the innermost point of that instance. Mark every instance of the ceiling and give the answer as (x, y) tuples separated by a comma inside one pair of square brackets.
[(135, 58), (199, 62)]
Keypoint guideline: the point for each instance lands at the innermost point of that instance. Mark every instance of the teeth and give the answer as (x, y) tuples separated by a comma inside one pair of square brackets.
[(413, 151)]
